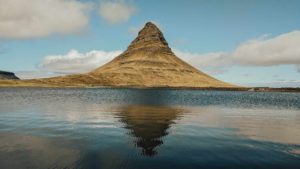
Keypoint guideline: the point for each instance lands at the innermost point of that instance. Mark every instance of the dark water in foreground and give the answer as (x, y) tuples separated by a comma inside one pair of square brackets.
[(126, 128)]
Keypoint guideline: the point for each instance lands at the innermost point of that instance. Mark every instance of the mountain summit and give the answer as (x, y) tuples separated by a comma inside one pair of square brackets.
[(147, 62), (149, 36)]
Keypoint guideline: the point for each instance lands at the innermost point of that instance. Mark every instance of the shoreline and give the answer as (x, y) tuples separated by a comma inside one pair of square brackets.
[(243, 89)]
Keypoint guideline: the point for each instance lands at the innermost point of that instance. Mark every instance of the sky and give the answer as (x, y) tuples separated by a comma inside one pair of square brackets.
[(249, 43)]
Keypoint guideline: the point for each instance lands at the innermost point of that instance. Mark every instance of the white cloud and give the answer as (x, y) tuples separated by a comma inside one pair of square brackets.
[(116, 11), (20, 19), (76, 62), (280, 50)]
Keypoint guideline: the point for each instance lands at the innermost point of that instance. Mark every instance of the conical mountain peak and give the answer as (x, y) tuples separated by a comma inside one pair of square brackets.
[(149, 61), (150, 29), (149, 36)]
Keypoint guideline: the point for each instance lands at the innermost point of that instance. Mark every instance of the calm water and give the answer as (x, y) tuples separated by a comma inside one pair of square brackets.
[(126, 128)]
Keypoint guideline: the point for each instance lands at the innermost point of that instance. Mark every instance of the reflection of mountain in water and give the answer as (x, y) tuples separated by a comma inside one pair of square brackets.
[(148, 124)]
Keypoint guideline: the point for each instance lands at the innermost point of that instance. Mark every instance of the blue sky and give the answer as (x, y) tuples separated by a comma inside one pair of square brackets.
[(233, 30)]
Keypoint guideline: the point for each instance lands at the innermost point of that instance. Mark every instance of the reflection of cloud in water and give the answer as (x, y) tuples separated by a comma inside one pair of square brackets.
[(259, 124), (268, 125), (295, 151), (22, 151), (148, 125)]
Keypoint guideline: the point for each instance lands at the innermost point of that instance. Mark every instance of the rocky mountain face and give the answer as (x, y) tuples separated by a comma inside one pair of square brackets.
[(7, 75), (149, 37), (147, 62)]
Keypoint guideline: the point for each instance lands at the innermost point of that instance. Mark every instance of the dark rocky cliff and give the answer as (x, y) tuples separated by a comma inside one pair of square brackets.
[(7, 75)]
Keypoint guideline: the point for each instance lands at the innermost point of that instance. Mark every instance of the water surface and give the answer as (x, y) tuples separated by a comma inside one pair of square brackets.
[(135, 128)]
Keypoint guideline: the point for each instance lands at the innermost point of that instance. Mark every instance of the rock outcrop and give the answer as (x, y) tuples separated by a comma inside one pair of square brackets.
[(147, 62), (7, 75)]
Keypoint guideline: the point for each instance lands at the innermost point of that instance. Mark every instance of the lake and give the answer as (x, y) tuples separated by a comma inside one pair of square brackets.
[(148, 128)]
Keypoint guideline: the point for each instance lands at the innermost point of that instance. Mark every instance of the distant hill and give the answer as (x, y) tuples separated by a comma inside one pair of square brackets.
[(147, 62), (7, 75)]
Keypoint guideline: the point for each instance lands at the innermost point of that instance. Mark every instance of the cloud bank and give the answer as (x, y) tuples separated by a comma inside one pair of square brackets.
[(282, 49), (279, 50), (20, 19), (25, 19), (76, 62), (117, 11)]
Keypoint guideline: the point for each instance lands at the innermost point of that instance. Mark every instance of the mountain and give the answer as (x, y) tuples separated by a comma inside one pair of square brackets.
[(7, 75), (147, 62)]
